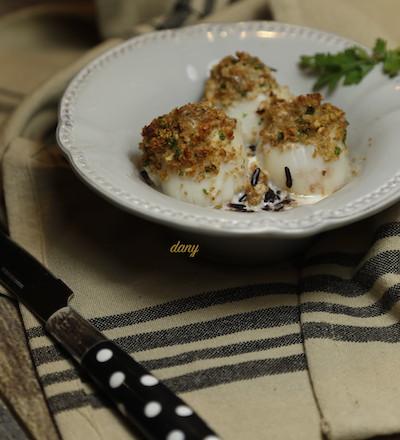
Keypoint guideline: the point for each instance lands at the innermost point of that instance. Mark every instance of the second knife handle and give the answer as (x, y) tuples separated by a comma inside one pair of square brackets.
[(153, 408)]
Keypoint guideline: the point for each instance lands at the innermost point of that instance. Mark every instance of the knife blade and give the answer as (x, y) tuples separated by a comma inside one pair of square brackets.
[(152, 408)]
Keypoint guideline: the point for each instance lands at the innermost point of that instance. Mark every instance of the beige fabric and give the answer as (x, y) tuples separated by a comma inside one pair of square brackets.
[(360, 20), (228, 339)]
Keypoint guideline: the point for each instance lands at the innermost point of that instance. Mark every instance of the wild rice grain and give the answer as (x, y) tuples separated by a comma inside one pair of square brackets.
[(252, 148), (270, 196), (237, 206), (289, 180), (243, 197), (146, 177), (255, 176)]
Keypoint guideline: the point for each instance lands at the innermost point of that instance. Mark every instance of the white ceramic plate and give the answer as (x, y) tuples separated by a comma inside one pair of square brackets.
[(105, 107)]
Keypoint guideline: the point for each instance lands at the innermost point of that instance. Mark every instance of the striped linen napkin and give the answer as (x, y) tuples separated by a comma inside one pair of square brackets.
[(297, 350)]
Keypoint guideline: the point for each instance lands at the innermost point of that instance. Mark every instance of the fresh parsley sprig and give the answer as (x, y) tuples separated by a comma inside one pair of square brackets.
[(351, 65)]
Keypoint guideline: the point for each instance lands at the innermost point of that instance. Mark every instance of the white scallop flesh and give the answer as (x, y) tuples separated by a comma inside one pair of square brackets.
[(245, 112), (212, 191), (310, 173)]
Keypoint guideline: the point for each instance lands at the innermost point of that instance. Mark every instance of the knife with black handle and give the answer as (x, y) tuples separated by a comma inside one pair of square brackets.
[(154, 410)]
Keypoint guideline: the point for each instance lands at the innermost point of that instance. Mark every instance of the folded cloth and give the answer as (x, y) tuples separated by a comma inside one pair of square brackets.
[(295, 350)]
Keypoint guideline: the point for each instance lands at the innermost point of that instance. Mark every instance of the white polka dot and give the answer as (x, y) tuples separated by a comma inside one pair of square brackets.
[(183, 411), (176, 435), (211, 437), (116, 379), (104, 355), (152, 409), (148, 380)]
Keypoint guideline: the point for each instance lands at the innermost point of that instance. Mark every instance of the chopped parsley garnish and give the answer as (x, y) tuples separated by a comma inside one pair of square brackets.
[(162, 123), (350, 65), (280, 136), (173, 143), (222, 135), (244, 115), (205, 191), (337, 151)]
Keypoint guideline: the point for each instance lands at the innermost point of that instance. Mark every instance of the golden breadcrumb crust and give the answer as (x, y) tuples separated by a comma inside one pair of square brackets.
[(255, 193), (237, 77), (192, 140), (304, 120)]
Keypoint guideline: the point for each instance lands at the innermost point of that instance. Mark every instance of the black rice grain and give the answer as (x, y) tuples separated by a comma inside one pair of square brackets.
[(270, 196), (237, 206), (255, 176), (146, 178), (289, 180)]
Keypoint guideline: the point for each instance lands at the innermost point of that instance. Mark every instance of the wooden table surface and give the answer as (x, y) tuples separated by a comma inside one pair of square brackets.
[(23, 410)]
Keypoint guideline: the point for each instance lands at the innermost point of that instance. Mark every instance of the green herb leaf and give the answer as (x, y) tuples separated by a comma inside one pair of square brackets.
[(391, 63), (350, 65), (173, 143), (337, 151), (379, 49), (222, 135)]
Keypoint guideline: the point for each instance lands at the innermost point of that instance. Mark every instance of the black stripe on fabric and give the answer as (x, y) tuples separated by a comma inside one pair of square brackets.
[(381, 264), (252, 346), (237, 372), (387, 230), (73, 399), (382, 306), (180, 13), (327, 283), (263, 318), (350, 333), (339, 258), (183, 305), (193, 381), (35, 332), (59, 376), (385, 304), (223, 351), (332, 284)]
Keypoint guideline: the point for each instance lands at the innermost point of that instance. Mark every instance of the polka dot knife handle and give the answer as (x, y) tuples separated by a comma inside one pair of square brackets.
[(155, 411)]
